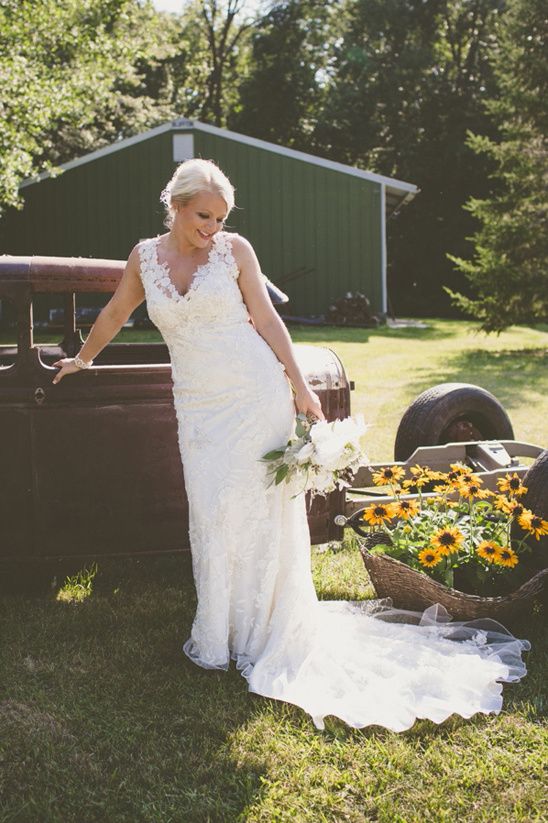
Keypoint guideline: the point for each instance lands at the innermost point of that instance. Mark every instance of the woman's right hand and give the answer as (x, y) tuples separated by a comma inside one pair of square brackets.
[(129, 294), (65, 366)]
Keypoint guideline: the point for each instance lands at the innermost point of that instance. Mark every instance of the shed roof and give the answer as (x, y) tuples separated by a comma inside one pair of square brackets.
[(397, 192)]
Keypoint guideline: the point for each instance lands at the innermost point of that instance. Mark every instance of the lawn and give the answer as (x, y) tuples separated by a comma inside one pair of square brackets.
[(392, 366), (102, 717)]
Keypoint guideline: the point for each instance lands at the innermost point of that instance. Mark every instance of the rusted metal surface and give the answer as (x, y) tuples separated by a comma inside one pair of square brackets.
[(59, 274), (91, 467)]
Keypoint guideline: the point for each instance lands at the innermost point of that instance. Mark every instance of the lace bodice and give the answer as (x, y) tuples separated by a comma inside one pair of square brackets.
[(213, 295)]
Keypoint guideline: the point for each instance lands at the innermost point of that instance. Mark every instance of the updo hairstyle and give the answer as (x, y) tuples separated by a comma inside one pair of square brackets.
[(192, 178)]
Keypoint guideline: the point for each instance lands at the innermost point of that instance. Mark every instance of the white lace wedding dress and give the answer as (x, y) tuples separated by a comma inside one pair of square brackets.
[(250, 541)]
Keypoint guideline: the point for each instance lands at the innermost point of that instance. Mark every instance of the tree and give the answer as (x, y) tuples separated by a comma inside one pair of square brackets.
[(281, 95), (510, 269), (72, 75), (407, 82), (202, 75), (224, 33)]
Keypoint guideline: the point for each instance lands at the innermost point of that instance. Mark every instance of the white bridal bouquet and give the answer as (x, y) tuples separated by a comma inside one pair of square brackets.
[(322, 457)]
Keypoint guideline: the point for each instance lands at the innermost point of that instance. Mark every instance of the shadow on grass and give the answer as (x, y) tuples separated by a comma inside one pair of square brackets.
[(512, 376), (329, 335), (529, 700), (105, 717)]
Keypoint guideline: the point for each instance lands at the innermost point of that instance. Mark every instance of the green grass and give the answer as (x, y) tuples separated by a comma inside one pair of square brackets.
[(102, 717), (392, 366), (79, 586)]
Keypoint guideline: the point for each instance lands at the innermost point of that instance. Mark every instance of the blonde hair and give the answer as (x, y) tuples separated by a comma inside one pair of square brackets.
[(192, 178)]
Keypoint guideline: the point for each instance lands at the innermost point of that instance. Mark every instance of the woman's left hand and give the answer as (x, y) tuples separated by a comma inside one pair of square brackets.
[(308, 402)]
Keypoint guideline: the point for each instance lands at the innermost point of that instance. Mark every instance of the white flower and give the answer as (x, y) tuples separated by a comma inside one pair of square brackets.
[(320, 481), (305, 452), (290, 454), (331, 453), (324, 458), (320, 431), (351, 429)]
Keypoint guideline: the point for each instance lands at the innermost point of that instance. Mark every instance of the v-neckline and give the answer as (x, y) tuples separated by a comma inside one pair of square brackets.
[(174, 291)]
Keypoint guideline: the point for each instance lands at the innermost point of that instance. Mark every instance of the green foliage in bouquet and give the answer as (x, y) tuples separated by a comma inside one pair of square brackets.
[(321, 457)]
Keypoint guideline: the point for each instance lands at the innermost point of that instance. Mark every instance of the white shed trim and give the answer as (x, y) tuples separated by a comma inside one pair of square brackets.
[(404, 191)]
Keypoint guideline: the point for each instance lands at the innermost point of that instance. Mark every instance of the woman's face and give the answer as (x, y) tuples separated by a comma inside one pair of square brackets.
[(202, 218)]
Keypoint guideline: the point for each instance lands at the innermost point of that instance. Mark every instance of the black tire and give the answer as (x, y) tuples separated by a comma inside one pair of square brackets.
[(448, 413), (535, 499)]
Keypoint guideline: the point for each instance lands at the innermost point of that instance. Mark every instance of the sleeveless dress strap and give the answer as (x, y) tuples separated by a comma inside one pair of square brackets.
[(147, 256), (222, 253)]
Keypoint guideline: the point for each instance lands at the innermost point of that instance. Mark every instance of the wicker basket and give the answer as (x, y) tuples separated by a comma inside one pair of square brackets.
[(415, 591)]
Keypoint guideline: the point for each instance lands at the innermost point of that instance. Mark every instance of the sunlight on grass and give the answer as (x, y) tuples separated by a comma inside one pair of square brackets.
[(104, 720), (339, 573), (75, 589), (390, 367)]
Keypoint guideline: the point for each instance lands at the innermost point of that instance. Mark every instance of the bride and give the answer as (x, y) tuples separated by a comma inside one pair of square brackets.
[(236, 385)]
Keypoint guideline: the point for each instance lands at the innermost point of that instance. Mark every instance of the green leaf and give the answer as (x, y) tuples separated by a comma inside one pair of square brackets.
[(301, 427), (281, 474), (275, 454), (381, 548), (448, 578)]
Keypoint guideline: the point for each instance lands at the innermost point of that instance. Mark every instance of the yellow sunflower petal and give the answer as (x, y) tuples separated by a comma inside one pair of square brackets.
[(429, 557)]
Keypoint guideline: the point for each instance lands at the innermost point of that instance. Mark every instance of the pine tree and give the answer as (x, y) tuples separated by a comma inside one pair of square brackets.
[(510, 269)]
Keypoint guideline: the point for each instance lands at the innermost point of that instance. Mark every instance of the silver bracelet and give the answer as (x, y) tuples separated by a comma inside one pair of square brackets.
[(82, 364)]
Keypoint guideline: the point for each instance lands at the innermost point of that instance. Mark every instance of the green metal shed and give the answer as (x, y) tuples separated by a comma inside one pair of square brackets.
[(319, 227)]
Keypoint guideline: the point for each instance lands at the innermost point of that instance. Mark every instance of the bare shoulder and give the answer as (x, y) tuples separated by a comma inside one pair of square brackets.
[(136, 256), (132, 271), (142, 244), (134, 260), (242, 249)]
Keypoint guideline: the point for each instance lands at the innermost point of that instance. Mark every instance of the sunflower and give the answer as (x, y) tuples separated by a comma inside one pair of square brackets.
[(447, 540), (422, 475), (377, 514), (460, 473), (471, 489), (453, 477), (517, 509), (406, 509), (383, 477), (429, 557), (490, 551), (534, 524), (512, 484), (501, 502), (418, 470), (470, 477), (508, 557)]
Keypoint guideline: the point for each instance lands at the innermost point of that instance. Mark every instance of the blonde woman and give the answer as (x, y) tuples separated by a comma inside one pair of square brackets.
[(236, 386)]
